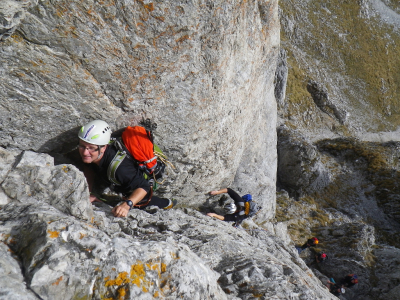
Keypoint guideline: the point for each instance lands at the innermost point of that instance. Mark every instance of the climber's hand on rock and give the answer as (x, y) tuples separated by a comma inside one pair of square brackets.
[(121, 210)]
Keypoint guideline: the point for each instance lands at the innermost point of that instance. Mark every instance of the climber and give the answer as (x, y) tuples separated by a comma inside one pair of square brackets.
[(310, 243), (243, 207), (349, 280), (320, 257), (335, 288), (97, 153)]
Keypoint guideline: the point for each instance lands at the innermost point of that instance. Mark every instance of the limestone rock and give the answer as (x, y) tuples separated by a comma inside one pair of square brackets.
[(12, 282), (321, 99), (34, 178), (299, 165), (64, 258), (281, 75), (152, 253), (12, 12), (203, 72)]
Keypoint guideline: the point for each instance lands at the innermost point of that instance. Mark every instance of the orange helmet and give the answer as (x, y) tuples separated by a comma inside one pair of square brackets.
[(315, 240)]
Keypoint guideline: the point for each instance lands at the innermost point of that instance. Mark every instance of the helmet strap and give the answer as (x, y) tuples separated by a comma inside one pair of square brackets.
[(100, 154)]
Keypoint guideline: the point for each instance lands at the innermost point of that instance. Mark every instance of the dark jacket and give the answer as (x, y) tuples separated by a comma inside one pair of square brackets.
[(239, 215), (127, 173), (347, 281)]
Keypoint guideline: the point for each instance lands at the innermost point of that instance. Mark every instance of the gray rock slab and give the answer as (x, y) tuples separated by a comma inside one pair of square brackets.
[(64, 258), (203, 72), (12, 283), (34, 178)]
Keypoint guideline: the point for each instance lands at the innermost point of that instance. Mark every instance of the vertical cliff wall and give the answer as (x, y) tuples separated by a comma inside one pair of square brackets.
[(202, 70)]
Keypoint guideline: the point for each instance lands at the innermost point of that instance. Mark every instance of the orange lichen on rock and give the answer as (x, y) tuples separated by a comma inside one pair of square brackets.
[(57, 281), (53, 234), (183, 38), (122, 278), (163, 268), (137, 273), (137, 277), (149, 7), (121, 293)]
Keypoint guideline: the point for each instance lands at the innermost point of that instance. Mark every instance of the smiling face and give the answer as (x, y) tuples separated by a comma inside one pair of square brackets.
[(91, 153)]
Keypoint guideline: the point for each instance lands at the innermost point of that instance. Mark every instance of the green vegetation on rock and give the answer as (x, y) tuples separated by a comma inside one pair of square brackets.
[(359, 53)]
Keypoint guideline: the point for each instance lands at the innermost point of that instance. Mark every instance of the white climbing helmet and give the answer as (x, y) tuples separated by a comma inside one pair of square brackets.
[(230, 208), (96, 132)]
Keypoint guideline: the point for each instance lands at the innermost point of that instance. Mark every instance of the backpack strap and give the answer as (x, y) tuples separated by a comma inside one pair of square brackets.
[(113, 166)]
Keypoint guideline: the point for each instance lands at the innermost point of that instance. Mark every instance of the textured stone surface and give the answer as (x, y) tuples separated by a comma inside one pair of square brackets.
[(281, 75), (203, 71), (64, 258), (299, 165), (165, 254), (12, 12), (12, 283), (351, 205), (33, 177)]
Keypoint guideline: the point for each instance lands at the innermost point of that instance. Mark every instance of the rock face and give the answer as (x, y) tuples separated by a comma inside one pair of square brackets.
[(33, 176), (48, 253), (354, 211), (338, 141), (203, 72)]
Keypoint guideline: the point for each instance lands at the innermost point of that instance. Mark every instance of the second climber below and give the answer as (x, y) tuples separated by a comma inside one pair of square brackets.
[(236, 212)]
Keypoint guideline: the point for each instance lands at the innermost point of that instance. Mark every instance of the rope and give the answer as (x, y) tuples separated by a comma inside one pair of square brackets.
[(161, 156)]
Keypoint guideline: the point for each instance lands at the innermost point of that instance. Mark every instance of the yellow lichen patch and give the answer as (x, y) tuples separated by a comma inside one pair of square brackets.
[(155, 267), (17, 38), (137, 270), (57, 281), (137, 277), (82, 236), (53, 234), (121, 293), (137, 273), (122, 278), (163, 268), (65, 169)]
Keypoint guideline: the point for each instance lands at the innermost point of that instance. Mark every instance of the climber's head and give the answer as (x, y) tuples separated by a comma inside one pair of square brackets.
[(230, 208), (94, 138)]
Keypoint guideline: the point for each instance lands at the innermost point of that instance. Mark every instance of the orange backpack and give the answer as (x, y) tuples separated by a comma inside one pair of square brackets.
[(139, 143)]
